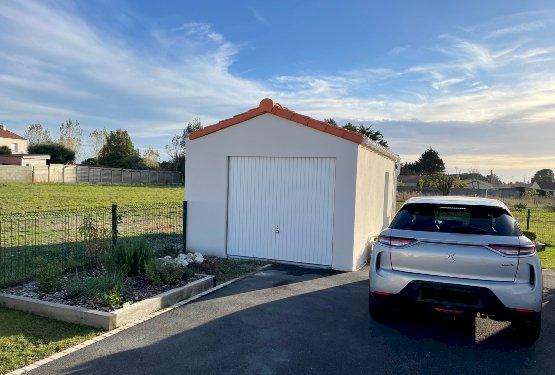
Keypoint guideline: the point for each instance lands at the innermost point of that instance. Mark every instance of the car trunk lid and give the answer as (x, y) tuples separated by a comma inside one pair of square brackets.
[(459, 255)]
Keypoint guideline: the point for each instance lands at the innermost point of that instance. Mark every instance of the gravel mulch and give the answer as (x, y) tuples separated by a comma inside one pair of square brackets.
[(135, 289)]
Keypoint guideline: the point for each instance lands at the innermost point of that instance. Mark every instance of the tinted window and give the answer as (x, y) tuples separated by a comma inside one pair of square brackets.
[(456, 219)]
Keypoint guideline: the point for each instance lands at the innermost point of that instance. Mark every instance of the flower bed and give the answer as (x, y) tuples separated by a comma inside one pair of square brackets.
[(135, 289)]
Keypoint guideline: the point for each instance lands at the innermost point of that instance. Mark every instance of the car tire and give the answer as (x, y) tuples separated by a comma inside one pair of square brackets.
[(377, 310), (527, 330)]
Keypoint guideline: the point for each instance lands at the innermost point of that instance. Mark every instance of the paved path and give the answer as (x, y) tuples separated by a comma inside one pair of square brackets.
[(289, 320)]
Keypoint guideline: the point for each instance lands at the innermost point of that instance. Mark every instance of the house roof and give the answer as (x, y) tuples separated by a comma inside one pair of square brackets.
[(5, 133), (407, 179), (268, 106), (549, 185)]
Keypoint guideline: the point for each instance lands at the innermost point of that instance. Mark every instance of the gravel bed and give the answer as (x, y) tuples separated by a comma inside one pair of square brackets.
[(135, 289)]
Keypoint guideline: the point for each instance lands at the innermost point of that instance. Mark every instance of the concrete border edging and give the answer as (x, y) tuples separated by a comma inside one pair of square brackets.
[(106, 320)]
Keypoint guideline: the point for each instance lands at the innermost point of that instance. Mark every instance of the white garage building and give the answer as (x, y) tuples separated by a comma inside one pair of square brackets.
[(273, 184)]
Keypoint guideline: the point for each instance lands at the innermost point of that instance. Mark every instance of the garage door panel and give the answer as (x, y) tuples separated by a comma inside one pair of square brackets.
[(291, 196)]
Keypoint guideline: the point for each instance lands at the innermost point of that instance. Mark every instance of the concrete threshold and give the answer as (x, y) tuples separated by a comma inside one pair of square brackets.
[(106, 320)]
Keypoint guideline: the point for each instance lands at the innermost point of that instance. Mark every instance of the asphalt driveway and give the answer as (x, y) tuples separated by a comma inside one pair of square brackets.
[(294, 320)]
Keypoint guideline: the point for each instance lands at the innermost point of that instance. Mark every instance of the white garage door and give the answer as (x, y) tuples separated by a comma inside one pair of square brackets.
[(281, 208)]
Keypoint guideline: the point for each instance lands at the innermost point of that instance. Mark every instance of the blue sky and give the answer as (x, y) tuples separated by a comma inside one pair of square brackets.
[(475, 80)]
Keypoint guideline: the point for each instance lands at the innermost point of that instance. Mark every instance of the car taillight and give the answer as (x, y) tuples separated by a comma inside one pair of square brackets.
[(514, 250), (395, 241)]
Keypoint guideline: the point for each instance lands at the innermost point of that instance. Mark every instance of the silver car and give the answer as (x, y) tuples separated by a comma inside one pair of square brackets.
[(458, 256)]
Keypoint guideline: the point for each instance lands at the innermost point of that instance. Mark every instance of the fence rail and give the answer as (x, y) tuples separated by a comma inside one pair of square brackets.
[(75, 238)]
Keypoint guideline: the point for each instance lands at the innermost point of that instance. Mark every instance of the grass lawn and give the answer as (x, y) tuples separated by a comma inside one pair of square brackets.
[(26, 338), (38, 197)]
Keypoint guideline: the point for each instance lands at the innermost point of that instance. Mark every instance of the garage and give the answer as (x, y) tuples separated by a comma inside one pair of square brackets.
[(273, 184)]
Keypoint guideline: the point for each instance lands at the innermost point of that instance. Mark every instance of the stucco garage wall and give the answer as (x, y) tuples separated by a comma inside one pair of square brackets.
[(265, 135), (370, 200)]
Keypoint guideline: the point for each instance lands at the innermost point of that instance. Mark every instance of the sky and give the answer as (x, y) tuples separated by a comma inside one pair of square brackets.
[(474, 80)]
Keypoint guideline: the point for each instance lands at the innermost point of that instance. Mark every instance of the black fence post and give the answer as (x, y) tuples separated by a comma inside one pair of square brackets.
[(184, 226), (114, 225), (528, 220)]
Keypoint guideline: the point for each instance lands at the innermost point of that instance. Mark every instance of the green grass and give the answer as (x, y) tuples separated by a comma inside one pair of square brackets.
[(547, 257), (38, 197), (26, 338)]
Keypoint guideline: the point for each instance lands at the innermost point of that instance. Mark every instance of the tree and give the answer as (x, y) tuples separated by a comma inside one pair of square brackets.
[(151, 158), (374, 135), (409, 169), (5, 150), (330, 121), (59, 154), (71, 136), (90, 161), (36, 135), (98, 140), (118, 147), (544, 175), (441, 181), (177, 148), (430, 163)]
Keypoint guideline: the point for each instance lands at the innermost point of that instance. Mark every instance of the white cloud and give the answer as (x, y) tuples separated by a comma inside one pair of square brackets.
[(55, 65), (516, 29)]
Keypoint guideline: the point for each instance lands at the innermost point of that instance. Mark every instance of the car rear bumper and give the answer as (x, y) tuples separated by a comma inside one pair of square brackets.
[(488, 297)]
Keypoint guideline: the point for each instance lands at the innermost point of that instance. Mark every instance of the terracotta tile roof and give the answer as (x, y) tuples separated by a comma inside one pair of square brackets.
[(4, 133), (268, 106)]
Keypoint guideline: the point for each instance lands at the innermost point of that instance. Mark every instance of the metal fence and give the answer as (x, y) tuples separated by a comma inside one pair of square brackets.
[(540, 222), (76, 238)]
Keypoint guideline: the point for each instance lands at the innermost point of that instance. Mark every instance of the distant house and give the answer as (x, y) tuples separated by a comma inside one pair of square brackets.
[(547, 187), (15, 142), (517, 187), (477, 184), (409, 180), (24, 159)]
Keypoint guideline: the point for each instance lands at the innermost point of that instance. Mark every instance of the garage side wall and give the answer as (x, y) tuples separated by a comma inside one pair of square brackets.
[(374, 201), (267, 135)]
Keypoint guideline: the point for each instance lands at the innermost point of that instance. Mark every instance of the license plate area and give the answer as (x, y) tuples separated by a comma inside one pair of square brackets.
[(448, 295)]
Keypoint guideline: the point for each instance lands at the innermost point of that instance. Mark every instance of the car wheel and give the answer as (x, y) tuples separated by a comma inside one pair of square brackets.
[(377, 310), (527, 330)]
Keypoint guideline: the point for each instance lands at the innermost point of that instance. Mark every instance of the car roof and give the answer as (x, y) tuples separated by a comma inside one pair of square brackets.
[(469, 201)]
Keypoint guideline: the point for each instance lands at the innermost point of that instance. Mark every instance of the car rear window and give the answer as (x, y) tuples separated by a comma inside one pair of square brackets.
[(456, 219)]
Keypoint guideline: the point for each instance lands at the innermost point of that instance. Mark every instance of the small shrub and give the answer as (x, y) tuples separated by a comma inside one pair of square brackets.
[(531, 235), (129, 257), (520, 206), (48, 274), (165, 273), (105, 289), (95, 239)]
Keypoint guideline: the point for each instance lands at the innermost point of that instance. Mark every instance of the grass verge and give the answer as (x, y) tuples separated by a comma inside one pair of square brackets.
[(37, 197), (26, 338)]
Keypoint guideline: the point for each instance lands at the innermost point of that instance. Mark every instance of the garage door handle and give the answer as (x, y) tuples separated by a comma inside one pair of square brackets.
[(277, 229)]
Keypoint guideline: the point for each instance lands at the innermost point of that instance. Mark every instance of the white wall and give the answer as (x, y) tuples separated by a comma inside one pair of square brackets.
[(265, 135), (370, 201)]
